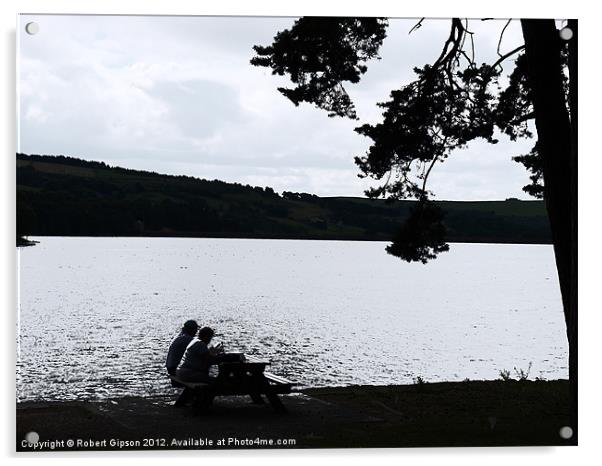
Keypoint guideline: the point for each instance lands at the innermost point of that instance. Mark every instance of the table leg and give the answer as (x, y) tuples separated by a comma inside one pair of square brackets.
[(275, 401), (183, 398), (203, 400), (256, 384), (256, 397)]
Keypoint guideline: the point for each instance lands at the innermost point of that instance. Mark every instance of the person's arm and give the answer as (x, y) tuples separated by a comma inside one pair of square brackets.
[(215, 358), (205, 356)]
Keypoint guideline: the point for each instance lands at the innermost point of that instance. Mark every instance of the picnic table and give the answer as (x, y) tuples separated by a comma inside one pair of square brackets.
[(235, 378)]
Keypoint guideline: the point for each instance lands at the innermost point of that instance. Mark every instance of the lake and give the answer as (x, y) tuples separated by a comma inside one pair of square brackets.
[(96, 315)]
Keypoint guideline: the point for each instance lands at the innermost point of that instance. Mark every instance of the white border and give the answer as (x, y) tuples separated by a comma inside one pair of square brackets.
[(590, 169)]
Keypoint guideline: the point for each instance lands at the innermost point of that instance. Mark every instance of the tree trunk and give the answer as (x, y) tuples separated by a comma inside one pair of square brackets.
[(556, 134), (572, 323)]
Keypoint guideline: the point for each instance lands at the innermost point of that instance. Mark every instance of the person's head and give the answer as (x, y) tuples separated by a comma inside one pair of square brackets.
[(190, 327), (206, 334)]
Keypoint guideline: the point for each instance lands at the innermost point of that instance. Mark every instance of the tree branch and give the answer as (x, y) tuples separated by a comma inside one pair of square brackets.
[(416, 26), (528, 116), (426, 176), (499, 42), (456, 35), (509, 54)]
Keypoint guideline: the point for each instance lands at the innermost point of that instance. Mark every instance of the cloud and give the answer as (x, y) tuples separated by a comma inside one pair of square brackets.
[(198, 108), (178, 95)]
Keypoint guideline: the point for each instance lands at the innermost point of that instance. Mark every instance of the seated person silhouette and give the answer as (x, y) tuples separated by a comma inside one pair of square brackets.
[(178, 346), (198, 358)]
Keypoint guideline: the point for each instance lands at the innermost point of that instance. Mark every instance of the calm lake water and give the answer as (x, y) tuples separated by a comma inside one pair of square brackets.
[(96, 315)]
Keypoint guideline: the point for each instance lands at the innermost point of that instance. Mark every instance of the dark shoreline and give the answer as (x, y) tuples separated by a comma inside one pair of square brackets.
[(470, 413), (275, 237), (24, 242)]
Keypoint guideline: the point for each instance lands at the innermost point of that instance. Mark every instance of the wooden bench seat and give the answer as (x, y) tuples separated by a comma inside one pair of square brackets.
[(201, 394), (279, 382), (177, 382)]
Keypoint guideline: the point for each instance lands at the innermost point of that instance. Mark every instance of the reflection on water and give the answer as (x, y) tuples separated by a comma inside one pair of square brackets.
[(97, 314)]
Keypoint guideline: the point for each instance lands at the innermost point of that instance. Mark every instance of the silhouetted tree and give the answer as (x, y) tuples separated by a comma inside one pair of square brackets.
[(452, 101)]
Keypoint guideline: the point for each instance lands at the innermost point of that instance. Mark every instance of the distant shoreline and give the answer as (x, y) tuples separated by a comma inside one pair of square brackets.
[(24, 242), (280, 237), (59, 195)]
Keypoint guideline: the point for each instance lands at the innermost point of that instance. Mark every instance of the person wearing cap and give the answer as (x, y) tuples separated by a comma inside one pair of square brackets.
[(179, 344)]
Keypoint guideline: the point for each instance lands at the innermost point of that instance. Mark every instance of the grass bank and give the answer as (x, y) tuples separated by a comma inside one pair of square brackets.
[(471, 413)]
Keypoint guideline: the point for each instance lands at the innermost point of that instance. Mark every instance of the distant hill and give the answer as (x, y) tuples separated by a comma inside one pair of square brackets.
[(58, 195)]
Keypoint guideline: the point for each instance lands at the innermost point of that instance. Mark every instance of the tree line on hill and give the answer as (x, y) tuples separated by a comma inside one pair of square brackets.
[(65, 196)]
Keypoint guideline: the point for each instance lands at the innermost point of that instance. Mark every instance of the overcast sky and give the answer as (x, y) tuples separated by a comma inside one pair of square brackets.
[(177, 95)]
